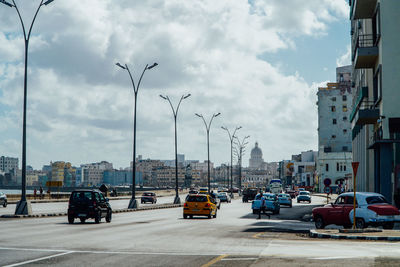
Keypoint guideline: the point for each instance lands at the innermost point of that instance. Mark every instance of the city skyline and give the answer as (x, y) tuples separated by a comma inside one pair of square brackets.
[(80, 106)]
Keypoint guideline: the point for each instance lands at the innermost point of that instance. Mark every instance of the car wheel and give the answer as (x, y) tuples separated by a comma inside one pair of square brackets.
[(97, 219), (71, 219), (209, 216), (309, 201), (109, 216), (298, 201), (5, 204), (255, 211), (319, 223), (360, 223), (191, 216), (290, 205), (82, 220), (389, 225), (184, 216), (215, 215)]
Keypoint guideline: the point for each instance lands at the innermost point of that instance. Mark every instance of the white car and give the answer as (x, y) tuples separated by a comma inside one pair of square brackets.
[(373, 209)]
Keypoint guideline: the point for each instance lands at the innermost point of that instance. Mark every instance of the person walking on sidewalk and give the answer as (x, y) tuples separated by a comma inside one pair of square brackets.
[(41, 192), (262, 206), (34, 193)]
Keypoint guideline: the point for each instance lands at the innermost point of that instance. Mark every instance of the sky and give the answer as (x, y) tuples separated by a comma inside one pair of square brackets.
[(258, 62)]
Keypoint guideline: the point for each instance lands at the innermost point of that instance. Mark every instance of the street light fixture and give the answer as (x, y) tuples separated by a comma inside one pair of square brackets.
[(177, 200), (241, 149), (208, 143), (133, 203), (231, 137), (23, 206)]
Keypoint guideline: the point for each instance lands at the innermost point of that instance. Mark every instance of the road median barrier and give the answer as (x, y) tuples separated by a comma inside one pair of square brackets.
[(58, 214), (366, 234)]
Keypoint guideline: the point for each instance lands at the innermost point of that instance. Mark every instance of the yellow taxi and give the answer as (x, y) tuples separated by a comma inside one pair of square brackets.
[(199, 205)]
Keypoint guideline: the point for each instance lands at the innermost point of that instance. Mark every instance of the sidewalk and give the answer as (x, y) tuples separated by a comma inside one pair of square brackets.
[(386, 235)]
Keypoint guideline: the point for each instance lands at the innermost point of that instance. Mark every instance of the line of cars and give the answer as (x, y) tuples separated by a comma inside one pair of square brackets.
[(3, 199)]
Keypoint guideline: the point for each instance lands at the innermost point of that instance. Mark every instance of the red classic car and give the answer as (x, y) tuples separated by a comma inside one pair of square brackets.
[(371, 209)]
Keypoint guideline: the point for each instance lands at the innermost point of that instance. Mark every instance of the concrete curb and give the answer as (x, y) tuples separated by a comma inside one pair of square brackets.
[(315, 234), (57, 214)]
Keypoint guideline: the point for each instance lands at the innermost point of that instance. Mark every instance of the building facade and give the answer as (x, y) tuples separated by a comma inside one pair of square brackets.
[(8, 164), (256, 158), (376, 117)]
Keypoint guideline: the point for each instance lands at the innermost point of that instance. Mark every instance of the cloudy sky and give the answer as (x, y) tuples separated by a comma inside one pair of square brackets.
[(258, 62)]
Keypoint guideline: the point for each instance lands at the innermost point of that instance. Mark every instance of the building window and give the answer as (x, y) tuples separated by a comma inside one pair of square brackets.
[(344, 97), (327, 167), (344, 108), (333, 136), (333, 108), (333, 98), (334, 121), (344, 167)]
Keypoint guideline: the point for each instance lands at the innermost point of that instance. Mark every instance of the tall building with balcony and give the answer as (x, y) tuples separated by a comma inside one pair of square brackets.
[(375, 117), (334, 130), (8, 164)]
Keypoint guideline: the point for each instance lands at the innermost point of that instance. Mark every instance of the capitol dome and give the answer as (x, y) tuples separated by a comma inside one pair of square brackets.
[(256, 159)]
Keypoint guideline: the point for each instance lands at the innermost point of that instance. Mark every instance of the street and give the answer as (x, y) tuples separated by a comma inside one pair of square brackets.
[(163, 237)]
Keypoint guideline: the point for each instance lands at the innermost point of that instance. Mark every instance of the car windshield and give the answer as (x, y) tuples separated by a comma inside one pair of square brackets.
[(81, 196), (376, 199), (197, 199), (270, 197), (221, 194), (304, 193), (283, 195)]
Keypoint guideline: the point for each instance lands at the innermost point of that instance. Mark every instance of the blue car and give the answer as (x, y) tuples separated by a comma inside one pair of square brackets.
[(285, 199), (304, 196), (271, 203)]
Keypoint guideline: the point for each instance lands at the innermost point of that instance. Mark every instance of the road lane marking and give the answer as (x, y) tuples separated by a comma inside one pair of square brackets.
[(217, 259), (239, 259), (39, 259), (334, 258)]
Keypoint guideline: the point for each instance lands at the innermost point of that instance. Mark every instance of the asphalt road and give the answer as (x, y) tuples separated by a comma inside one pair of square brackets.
[(163, 238)]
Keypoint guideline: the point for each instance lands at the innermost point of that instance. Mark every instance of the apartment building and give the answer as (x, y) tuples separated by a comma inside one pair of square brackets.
[(8, 164), (375, 118), (334, 130)]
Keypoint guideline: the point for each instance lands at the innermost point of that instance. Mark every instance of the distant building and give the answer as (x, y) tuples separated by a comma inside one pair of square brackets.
[(121, 177), (256, 158), (8, 164)]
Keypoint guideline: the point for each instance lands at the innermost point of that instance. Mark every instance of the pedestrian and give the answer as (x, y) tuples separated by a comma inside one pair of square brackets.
[(48, 192), (34, 193), (41, 192), (262, 206)]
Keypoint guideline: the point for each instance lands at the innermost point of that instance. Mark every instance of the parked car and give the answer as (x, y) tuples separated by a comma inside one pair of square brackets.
[(199, 205), (249, 194), (3, 199), (224, 197), (88, 204), (285, 199), (304, 196), (271, 203), (148, 197), (371, 209), (292, 193), (214, 197)]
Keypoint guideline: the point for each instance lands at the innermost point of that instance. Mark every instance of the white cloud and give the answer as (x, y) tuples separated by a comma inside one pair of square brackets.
[(80, 103), (344, 59)]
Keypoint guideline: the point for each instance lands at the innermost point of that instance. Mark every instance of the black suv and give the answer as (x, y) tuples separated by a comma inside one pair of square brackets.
[(85, 204)]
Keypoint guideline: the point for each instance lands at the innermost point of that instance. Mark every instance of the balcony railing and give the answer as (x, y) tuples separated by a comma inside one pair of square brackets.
[(365, 50)]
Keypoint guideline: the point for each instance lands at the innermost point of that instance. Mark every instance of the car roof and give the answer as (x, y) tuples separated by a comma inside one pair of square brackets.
[(364, 194), (87, 190)]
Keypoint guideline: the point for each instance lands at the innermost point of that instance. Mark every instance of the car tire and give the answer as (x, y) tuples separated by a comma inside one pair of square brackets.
[(319, 223), (97, 218), (5, 204), (109, 216), (184, 216), (309, 202), (209, 216), (290, 205), (360, 223), (82, 220), (298, 201), (215, 215), (71, 219), (191, 216), (255, 211), (388, 226)]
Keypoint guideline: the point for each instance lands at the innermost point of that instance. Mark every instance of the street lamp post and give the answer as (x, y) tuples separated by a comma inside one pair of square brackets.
[(177, 200), (133, 203), (208, 142), (231, 137), (241, 149), (23, 206)]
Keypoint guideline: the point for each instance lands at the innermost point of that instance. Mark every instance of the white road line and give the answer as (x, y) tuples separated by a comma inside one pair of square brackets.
[(38, 259), (335, 258), (36, 249), (239, 259)]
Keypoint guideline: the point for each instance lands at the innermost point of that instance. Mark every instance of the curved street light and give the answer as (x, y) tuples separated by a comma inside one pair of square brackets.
[(23, 206), (241, 145), (177, 200), (231, 137), (208, 143), (133, 203)]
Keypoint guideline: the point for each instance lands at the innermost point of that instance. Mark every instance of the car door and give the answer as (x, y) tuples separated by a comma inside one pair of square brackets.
[(100, 203), (335, 212), (348, 206)]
